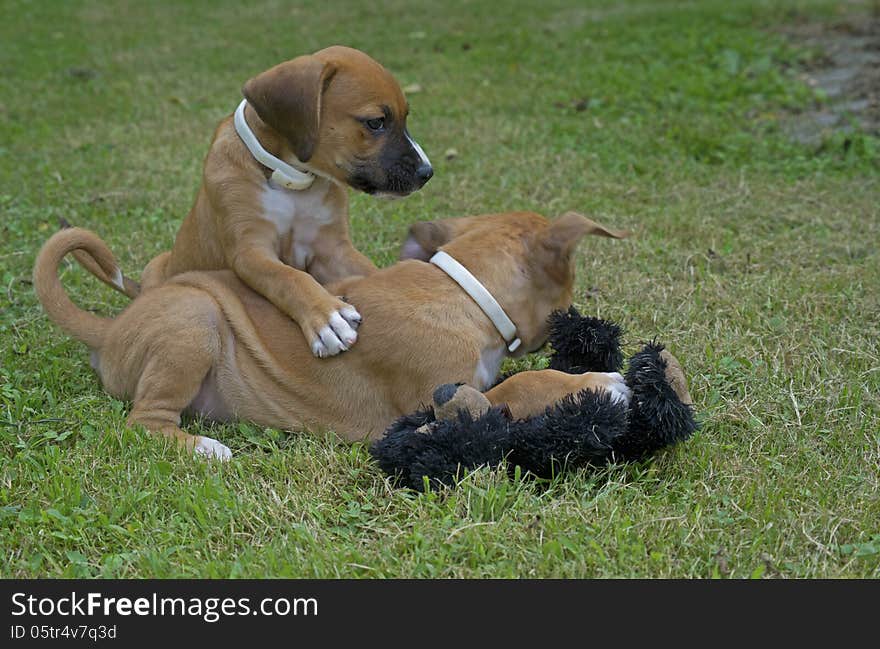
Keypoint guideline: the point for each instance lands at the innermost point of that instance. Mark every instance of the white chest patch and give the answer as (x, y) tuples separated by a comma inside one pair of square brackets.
[(300, 214), (488, 367)]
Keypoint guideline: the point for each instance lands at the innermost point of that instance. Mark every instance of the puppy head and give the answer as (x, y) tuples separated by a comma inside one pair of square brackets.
[(524, 260), (343, 116)]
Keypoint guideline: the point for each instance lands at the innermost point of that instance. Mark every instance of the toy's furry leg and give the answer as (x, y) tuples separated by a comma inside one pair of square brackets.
[(446, 452), (579, 430), (583, 343), (661, 413)]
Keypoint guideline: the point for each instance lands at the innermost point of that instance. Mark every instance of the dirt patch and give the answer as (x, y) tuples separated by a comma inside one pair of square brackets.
[(846, 69)]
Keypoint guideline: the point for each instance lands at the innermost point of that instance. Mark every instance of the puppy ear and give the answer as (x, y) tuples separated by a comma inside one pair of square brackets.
[(558, 241), (424, 238), (572, 226), (288, 98)]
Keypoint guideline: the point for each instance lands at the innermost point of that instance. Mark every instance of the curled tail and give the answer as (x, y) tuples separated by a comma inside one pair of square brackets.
[(117, 281), (82, 325)]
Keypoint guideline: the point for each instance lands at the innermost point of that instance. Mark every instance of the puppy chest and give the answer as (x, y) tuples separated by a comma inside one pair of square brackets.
[(298, 217), (488, 367)]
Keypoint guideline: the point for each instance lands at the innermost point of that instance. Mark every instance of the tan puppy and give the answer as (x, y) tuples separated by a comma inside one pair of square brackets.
[(206, 343), (336, 115)]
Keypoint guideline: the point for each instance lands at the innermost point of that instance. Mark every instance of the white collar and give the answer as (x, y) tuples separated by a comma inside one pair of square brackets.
[(282, 173), (473, 287)]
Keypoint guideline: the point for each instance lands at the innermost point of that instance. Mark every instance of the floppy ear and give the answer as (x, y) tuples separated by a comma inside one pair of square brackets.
[(572, 226), (288, 98), (424, 238), (558, 241)]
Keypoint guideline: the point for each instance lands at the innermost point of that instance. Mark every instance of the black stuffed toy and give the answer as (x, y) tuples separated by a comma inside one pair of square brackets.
[(462, 431)]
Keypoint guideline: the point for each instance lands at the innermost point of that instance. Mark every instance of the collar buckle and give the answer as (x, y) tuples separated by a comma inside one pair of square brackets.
[(283, 174)]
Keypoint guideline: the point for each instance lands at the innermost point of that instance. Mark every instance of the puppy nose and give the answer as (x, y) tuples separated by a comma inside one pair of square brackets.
[(424, 172)]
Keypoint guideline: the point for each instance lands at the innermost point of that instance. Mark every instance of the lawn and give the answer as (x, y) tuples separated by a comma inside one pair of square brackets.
[(755, 259)]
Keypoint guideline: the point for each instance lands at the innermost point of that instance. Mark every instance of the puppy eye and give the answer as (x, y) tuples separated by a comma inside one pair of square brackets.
[(375, 124)]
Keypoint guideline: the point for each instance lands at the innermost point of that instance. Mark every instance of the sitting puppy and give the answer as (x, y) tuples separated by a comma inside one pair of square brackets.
[(273, 206), (204, 342)]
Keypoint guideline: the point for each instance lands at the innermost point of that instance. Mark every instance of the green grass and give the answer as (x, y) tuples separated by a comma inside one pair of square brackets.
[(756, 261)]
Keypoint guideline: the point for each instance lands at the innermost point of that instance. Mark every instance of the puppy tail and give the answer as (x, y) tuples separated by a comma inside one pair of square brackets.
[(82, 325), (115, 279)]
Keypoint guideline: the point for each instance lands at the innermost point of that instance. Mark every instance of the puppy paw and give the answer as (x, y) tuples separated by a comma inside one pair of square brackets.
[(620, 391), (351, 316), (212, 449), (338, 334)]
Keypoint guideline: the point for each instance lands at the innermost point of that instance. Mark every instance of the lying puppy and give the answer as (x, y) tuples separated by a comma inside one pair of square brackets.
[(273, 206), (206, 343)]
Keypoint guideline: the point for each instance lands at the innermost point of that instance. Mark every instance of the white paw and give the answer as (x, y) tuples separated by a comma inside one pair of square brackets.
[(351, 315), (339, 334), (212, 449), (118, 279), (620, 392)]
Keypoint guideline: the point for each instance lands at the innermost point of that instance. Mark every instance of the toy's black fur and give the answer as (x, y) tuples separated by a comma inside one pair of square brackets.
[(580, 429), (580, 344), (450, 447), (583, 343), (583, 429), (655, 409)]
